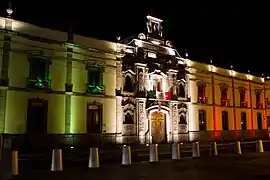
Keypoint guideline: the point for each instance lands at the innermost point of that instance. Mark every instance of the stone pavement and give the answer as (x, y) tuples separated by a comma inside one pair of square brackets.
[(250, 166)]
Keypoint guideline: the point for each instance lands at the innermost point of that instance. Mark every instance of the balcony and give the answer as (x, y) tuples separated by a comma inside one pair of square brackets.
[(151, 94), (203, 100), (225, 101), (38, 83), (243, 104), (259, 105), (95, 89)]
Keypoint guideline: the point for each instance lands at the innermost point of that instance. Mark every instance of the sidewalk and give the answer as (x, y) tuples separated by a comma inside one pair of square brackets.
[(250, 166)]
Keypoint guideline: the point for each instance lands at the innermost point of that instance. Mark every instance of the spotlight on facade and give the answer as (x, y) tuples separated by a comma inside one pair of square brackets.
[(9, 10)]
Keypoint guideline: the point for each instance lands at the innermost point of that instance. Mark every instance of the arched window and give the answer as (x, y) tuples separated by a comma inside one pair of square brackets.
[(182, 92), (129, 118), (225, 121), (202, 120), (128, 84)]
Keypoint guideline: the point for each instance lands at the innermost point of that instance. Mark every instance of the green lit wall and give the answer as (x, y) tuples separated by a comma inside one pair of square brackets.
[(15, 118)]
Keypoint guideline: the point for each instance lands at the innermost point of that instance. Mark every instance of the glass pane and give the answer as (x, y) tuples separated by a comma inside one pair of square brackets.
[(38, 69)]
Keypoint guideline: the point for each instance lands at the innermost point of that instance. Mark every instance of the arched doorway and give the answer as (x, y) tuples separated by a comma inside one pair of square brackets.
[(158, 127)]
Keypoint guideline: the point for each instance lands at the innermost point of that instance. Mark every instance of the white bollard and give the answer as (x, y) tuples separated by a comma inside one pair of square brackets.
[(213, 149), (175, 151), (15, 166), (93, 158), (153, 153), (126, 155), (195, 150), (259, 146), (238, 148), (57, 164)]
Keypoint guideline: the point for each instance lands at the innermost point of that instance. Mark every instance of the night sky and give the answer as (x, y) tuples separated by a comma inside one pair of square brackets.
[(238, 36)]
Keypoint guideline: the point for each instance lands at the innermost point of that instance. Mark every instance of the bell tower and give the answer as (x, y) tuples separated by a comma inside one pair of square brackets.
[(154, 27)]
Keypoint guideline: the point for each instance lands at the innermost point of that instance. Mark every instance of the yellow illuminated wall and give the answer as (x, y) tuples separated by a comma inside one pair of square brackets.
[(213, 76)]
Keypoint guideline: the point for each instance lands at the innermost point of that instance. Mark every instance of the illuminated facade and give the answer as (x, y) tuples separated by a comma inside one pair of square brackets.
[(137, 90)]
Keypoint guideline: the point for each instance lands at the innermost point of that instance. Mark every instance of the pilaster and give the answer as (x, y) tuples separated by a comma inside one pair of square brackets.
[(6, 54), (174, 120), (69, 85), (119, 115), (3, 95), (141, 116)]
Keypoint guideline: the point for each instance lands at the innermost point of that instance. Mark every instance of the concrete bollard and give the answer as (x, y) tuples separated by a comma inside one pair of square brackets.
[(213, 149), (195, 150), (93, 158), (259, 146), (126, 155), (15, 165), (57, 163), (175, 151), (238, 148), (153, 153)]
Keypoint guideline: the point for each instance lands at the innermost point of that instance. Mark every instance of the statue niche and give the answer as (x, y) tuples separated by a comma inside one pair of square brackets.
[(183, 125), (128, 123)]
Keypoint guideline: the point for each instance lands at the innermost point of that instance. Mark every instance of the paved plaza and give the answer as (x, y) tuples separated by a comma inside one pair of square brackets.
[(250, 166)]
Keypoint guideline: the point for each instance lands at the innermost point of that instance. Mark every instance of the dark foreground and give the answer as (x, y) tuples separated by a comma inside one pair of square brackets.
[(250, 166)]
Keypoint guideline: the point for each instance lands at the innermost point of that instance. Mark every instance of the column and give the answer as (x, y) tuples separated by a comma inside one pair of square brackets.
[(251, 105), (143, 126), (140, 72), (119, 76), (174, 120), (6, 54), (3, 95), (234, 108), (4, 74), (119, 115), (214, 101), (69, 85)]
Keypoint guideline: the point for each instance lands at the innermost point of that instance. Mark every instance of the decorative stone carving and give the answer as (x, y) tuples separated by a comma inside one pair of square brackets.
[(174, 117), (183, 125), (141, 117)]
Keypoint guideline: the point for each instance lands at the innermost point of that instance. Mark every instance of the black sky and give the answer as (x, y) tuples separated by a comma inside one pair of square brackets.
[(238, 36)]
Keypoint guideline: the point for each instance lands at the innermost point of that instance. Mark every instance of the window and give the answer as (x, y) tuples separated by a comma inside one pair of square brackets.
[(202, 120), (129, 118), (201, 92), (224, 101), (259, 120), (95, 80), (243, 120), (128, 84), (39, 71), (242, 92), (258, 98), (225, 121), (182, 90)]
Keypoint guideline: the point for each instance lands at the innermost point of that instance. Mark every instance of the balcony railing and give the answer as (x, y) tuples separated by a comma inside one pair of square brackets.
[(151, 94), (95, 89), (243, 104), (225, 101), (203, 100), (259, 105), (38, 83)]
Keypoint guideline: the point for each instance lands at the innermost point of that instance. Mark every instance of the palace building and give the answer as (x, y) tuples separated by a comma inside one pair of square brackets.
[(65, 87)]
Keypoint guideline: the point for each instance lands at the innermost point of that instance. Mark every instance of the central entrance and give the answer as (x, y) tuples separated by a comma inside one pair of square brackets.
[(158, 127)]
